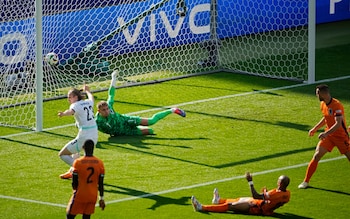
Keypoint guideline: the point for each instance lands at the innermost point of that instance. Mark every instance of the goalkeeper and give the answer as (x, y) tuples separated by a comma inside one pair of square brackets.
[(110, 122)]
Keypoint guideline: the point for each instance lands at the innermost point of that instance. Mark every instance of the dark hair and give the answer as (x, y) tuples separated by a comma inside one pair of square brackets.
[(323, 88), (89, 147), (76, 92)]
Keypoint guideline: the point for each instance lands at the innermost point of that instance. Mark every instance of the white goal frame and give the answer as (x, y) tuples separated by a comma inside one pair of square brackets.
[(213, 43)]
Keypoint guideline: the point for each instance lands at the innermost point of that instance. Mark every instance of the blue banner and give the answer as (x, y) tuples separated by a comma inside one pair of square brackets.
[(66, 35)]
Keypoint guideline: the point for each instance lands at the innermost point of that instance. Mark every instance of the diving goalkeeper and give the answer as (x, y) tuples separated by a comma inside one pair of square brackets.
[(111, 122)]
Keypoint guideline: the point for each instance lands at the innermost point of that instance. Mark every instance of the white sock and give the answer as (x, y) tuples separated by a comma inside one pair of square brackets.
[(68, 159)]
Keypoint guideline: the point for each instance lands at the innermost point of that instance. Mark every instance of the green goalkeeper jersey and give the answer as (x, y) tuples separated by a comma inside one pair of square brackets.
[(115, 123)]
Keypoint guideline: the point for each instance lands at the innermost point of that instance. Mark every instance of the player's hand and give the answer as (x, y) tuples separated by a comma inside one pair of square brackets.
[(60, 114), (86, 88), (102, 204), (312, 132), (249, 176)]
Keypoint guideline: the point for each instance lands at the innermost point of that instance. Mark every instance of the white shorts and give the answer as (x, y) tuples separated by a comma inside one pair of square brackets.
[(75, 145)]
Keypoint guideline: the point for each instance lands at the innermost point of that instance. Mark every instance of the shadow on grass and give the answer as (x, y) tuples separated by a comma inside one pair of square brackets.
[(30, 144), (289, 215), (266, 157), (159, 200), (329, 190), (138, 141), (275, 215), (138, 144), (284, 124)]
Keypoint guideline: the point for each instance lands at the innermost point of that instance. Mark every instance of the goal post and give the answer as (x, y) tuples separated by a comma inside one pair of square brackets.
[(311, 42), (145, 41)]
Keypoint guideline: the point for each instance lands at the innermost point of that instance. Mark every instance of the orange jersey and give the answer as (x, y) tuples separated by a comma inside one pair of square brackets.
[(330, 112), (88, 169), (273, 199)]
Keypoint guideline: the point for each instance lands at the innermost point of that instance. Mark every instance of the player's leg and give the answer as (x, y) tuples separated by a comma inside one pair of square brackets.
[(70, 216), (161, 115), (65, 154), (311, 169), (240, 205), (86, 216), (68, 153), (224, 205), (72, 207), (144, 131)]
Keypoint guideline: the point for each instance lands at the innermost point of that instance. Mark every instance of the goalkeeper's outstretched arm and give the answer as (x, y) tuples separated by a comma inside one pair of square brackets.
[(112, 89)]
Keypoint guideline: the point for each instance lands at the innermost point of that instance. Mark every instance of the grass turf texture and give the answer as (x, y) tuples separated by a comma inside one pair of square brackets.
[(218, 139), (155, 176)]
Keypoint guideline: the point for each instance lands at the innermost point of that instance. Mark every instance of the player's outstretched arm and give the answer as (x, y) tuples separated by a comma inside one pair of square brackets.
[(319, 125), (88, 92), (255, 194), (112, 89), (68, 112)]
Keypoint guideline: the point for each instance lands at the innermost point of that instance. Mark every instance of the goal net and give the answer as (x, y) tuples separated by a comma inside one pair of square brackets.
[(146, 41)]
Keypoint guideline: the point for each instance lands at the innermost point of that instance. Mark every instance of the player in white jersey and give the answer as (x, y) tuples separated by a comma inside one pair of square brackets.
[(84, 118)]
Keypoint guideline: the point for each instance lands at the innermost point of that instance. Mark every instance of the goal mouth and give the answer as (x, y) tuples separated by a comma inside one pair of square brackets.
[(146, 41)]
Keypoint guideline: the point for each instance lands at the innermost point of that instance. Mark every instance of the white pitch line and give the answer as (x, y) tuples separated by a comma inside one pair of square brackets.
[(220, 181), (195, 102), (184, 104), (32, 201), (177, 189)]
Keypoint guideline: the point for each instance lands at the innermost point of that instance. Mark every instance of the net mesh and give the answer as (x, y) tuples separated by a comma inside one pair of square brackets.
[(145, 41)]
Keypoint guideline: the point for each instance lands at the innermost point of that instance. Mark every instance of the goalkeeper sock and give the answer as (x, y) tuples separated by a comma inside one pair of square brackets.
[(158, 116)]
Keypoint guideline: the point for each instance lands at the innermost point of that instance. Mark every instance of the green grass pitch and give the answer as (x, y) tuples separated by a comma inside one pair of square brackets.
[(235, 123)]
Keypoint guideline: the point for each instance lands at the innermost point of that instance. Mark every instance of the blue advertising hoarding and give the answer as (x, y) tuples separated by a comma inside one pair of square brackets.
[(71, 38)]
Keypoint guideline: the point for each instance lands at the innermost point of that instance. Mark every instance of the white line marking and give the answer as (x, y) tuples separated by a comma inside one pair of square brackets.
[(192, 186), (32, 201), (177, 189), (220, 181), (195, 102)]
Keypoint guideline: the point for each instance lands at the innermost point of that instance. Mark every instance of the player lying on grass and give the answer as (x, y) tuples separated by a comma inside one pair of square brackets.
[(259, 204), (110, 122)]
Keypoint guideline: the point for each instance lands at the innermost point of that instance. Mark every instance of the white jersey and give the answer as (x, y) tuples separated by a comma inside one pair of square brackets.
[(84, 114), (85, 121)]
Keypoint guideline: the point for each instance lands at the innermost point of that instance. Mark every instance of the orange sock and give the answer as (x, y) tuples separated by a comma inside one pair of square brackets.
[(216, 208), (310, 170)]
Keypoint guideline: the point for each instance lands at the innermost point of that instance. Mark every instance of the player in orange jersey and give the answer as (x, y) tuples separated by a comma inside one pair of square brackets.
[(334, 135), (258, 204), (88, 175)]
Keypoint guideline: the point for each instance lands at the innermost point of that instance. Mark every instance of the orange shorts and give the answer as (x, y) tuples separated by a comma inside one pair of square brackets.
[(75, 207), (343, 144), (255, 207)]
